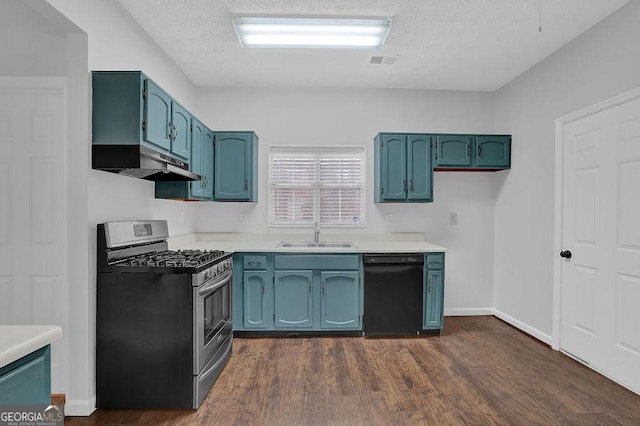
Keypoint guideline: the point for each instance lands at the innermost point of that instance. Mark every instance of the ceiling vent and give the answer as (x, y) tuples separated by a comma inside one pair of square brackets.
[(383, 60)]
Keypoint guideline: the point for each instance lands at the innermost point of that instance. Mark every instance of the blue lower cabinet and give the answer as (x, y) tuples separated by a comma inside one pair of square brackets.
[(27, 381), (255, 300), (293, 297), (433, 291), (340, 300), (297, 292)]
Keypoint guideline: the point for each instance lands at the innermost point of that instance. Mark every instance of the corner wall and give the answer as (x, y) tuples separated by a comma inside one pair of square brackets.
[(602, 62)]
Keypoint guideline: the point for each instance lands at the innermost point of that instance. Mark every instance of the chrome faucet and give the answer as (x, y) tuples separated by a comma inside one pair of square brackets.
[(316, 233)]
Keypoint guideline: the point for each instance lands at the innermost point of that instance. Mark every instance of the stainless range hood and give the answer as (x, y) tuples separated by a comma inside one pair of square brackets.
[(140, 162)]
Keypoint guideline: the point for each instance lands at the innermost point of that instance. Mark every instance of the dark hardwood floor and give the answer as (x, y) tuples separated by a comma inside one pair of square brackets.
[(479, 371)]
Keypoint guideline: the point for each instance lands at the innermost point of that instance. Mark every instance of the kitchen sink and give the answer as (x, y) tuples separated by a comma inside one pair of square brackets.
[(297, 244), (325, 244), (344, 244)]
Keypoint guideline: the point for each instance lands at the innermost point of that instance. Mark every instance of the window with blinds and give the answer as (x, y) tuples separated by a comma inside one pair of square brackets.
[(316, 185)]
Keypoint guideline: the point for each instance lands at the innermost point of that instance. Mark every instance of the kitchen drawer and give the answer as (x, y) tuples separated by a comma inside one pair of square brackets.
[(317, 261), (434, 261), (252, 261)]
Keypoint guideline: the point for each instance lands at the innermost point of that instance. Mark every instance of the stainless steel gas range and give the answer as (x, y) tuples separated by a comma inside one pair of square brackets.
[(163, 326)]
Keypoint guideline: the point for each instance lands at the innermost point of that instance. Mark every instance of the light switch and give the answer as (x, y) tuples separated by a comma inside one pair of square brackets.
[(388, 219), (453, 218), (243, 218)]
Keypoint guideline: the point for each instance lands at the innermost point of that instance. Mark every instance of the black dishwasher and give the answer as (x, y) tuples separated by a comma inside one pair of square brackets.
[(393, 294)]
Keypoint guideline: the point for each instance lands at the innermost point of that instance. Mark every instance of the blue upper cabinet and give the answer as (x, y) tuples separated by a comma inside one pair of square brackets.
[(453, 150), (402, 168), (493, 151), (207, 164), (419, 170), (235, 166), (201, 161), (129, 109), (157, 116), (197, 159), (180, 135), (472, 152), (393, 172)]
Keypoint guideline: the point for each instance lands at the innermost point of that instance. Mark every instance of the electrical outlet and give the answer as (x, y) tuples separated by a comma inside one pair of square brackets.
[(388, 219), (453, 218), (243, 218), (181, 217), (258, 218)]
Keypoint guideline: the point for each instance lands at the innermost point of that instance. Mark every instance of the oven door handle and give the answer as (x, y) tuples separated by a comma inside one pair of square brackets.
[(210, 288)]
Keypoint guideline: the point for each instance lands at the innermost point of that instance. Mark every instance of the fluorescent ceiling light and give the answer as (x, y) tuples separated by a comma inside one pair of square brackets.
[(367, 33)]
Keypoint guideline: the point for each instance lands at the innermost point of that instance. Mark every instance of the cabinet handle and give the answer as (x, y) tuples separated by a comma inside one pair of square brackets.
[(246, 185), (175, 132), (309, 286), (322, 287), (434, 262), (411, 185), (170, 132), (429, 287), (254, 262), (468, 150), (262, 286), (479, 151), (404, 185)]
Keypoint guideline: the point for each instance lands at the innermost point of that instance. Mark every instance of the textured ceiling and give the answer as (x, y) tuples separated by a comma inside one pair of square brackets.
[(438, 44)]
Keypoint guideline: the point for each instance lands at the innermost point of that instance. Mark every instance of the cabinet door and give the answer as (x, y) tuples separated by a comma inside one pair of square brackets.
[(232, 166), (197, 157), (181, 136), (419, 169), (433, 300), (293, 294), (493, 151), (207, 165), (255, 300), (393, 157), (157, 116), (340, 301), (453, 150)]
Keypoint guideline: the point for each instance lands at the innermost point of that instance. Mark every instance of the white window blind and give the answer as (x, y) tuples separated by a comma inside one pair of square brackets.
[(323, 185)]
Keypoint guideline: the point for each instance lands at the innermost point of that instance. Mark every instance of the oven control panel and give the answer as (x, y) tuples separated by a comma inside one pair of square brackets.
[(221, 268)]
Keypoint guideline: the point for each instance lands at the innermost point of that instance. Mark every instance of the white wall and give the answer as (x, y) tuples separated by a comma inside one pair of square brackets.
[(602, 62), (353, 117), (30, 45)]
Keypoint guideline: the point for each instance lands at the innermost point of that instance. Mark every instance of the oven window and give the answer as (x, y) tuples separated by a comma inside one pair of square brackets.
[(216, 311)]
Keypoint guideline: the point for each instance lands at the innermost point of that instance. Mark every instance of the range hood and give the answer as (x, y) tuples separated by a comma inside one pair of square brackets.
[(140, 162)]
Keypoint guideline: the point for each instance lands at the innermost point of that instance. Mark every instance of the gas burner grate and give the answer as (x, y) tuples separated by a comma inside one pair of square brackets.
[(171, 258)]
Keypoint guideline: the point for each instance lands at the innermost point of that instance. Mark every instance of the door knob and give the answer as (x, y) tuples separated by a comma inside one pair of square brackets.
[(566, 254)]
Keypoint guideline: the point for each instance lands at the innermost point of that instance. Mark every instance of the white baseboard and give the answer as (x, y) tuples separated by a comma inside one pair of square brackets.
[(534, 332), (464, 312), (80, 407)]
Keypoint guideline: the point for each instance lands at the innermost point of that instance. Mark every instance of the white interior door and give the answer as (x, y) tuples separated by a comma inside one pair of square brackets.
[(33, 207), (600, 283)]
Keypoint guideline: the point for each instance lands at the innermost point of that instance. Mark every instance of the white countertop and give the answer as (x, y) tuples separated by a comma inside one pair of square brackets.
[(17, 341), (363, 243)]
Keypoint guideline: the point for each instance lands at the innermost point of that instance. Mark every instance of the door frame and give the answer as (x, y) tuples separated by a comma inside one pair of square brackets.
[(559, 196)]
